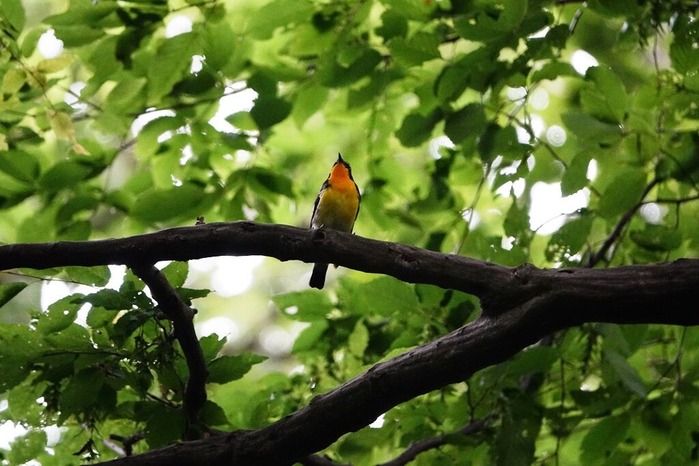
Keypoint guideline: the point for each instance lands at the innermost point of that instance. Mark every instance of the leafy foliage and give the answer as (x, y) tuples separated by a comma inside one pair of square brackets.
[(455, 117)]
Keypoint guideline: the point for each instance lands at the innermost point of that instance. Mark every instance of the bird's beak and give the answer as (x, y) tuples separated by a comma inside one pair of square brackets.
[(339, 158)]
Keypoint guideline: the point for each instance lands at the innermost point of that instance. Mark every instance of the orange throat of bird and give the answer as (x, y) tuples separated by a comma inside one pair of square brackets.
[(340, 178)]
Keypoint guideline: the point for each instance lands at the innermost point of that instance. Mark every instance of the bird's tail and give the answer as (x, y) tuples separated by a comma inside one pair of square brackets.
[(318, 276)]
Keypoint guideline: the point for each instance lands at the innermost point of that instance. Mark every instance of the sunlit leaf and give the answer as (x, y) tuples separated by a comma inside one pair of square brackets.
[(228, 368), (160, 205), (306, 306)]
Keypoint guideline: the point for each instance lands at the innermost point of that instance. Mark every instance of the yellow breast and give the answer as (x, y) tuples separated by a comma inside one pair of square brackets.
[(339, 202)]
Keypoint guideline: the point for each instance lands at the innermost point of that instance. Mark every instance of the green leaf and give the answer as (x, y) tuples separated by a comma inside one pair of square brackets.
[(14, 372), (514, 14), (148, 140), (27, 447), (616, 7), (93, 276), (188, 294), (75, 231), (82, 12), (213, 415), (466, 122), (552, 70), (242, 120), (164, 426), (416, 50), (309, 100), (161, 205), (658, 238), (126, 95), (176, 273), (109, 299), (358, 340), (211, 345), (78, 35), (417, 128), (273, 182), (277, 14), (336, 74), (605, 97), (306, 306), (228, 368), (13, 12), (74, 337), (603, 438), (383, 296), (60, 314), (569, 239), (128, 323), (473, 70), (99, 317), (492, 23), (516, 219), (19, 342), (591, 131), (219, 32), (502, 141), (393, 24), (269, 110), (533, 360), (683, 53), (627, 374), (309, 336), (575, 176), (65, 174), (82, 391), (9, 291), (681, 158), (19, 164), (515, 440), (169, 65), (418, 11), (623, 192), (451, 82), (685, 58)]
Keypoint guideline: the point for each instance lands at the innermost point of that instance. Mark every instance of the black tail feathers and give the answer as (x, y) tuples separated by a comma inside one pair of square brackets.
[(318, 276)]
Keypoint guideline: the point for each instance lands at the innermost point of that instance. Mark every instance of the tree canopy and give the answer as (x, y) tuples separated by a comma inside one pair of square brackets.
[(519, 289)]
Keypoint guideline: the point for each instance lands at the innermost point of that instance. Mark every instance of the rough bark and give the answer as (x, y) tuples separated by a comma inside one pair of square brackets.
[(520, 306)]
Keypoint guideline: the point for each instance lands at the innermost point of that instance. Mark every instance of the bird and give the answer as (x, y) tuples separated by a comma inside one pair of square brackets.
[(336, 207)]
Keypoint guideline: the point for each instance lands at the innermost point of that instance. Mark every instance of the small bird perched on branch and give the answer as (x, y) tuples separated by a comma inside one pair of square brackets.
[(336, 207)]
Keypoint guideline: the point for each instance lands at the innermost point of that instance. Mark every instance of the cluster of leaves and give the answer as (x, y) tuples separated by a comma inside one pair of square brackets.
[(101, 374), (446, 111)]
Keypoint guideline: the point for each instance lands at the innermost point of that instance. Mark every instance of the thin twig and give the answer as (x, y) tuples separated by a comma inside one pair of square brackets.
[(424, 445), (619, 227)]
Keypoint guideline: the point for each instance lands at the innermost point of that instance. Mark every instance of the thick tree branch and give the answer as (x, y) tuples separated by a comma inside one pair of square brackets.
[(521, 306), (421, 446), (407, 263), (182, 317), (657, 293)]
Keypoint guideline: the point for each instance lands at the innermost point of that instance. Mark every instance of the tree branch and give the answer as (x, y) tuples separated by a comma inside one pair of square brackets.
[(619, 227), (182, 317), (422, 446), (521, 305), (407, 263)]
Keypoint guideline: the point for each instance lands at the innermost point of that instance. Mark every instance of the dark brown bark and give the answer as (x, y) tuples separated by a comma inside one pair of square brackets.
[(521, 306), (182, 317)]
